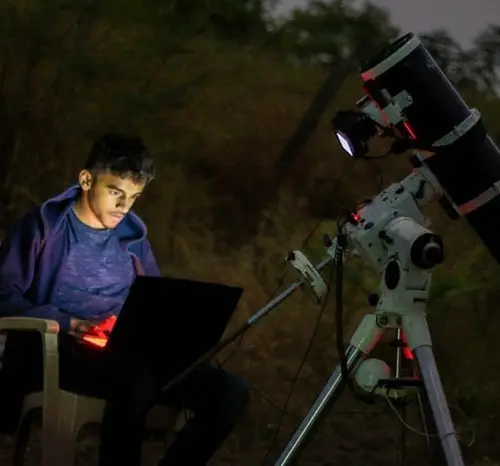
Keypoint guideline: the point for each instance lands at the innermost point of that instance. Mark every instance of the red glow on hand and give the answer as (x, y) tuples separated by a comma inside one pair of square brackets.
[(100, 339), (108, 324)]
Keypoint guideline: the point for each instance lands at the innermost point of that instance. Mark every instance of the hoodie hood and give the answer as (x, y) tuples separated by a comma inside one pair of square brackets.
[(55, 210)]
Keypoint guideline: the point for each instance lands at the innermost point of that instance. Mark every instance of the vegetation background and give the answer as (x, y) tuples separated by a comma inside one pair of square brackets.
[(216, 88)]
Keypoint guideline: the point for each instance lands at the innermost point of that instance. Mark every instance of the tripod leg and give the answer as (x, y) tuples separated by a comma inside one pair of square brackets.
[(419, 340), (362, 342), (439, 406)]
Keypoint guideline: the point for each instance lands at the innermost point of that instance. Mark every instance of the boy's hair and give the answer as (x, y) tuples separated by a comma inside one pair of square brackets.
[(122, 156)]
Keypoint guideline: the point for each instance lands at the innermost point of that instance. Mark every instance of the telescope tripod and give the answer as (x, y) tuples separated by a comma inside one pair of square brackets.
[(403, 310)]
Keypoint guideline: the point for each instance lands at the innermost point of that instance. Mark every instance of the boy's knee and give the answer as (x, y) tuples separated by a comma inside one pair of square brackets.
[(133, 399)]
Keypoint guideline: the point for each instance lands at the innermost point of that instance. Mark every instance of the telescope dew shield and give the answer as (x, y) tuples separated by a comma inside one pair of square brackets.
[(466, 161)]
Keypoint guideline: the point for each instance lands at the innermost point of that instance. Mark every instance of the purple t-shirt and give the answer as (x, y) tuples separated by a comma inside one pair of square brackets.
[(96, 276)]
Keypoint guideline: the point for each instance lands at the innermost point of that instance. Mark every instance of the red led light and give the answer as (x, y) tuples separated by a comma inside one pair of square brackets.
[(410, 130)]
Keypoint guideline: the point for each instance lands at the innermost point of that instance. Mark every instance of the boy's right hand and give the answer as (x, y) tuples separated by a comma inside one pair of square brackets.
[(79, 328)]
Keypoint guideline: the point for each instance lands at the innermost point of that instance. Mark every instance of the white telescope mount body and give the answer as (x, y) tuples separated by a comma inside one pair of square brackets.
[(390, 233)]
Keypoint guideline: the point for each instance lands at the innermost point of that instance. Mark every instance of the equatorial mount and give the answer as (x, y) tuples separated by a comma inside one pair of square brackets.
[(389, 233)]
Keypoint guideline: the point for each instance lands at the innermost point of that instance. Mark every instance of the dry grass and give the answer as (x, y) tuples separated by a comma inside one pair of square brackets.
[(210, 217)]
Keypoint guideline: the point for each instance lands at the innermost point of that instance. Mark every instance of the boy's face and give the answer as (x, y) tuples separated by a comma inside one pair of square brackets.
[(109, 197)]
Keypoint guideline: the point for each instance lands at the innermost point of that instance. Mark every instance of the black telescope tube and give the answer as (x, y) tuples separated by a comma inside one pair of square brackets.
[(466, 161)]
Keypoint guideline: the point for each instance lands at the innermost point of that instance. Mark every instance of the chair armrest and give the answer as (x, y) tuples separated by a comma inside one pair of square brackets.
[(29, 323)]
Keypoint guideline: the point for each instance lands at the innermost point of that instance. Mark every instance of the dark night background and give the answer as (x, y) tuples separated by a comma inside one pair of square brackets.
[(216, 88)]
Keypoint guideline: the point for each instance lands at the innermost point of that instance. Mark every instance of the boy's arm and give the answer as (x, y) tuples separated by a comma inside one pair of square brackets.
[(148, 260), (19, 251)]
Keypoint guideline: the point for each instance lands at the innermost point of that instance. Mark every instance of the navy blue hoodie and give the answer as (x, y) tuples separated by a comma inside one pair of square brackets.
[(33, 250)]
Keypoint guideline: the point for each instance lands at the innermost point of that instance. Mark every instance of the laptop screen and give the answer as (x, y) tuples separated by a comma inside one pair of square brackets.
[(189, 298), (174, 320)]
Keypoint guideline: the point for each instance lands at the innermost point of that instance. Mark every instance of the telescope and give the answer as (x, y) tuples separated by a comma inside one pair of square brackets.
[(408, 99)]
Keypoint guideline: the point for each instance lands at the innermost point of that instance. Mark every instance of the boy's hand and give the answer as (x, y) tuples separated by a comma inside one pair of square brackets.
[(107, 324), (79, 328)]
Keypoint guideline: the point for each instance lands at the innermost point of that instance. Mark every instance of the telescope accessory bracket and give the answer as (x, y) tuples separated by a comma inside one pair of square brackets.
[(393, 110), (311, 279)]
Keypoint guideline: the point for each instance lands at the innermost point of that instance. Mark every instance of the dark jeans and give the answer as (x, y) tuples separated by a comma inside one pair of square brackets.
[(216, 397)]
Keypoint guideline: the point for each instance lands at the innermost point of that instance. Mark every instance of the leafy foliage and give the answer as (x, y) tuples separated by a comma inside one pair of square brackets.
[(328, 31), (478, 67)]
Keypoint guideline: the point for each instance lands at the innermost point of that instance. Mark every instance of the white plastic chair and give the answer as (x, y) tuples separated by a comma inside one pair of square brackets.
[(63, 413)]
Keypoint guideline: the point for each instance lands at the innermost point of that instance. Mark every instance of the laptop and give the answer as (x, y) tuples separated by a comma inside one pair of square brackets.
[(169, 323)]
